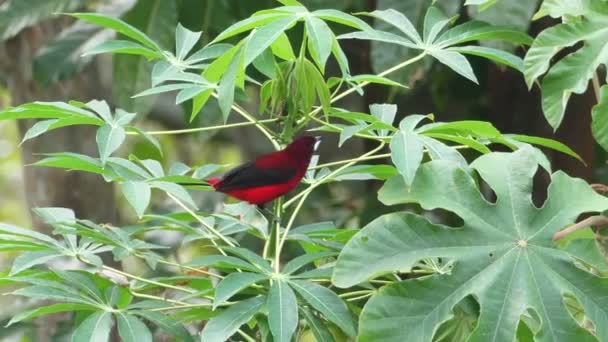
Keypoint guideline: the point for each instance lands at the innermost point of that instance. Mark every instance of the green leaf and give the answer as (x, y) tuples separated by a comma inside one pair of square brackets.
[(17, 15), (282, 311), (319, 330), (281, 48), (440, 151), (9, 229), (394, 191), (549, 143), (184, 41), (221, 261), (166, 324), (224, 325), (123, 47), (138, 195), (52, 293), (175, 190), (572, 73), (208, 52), (45, 126), (44, 110), (478, 30), (30, 259), (321, 37), (233, 284), (552, 40), (301, 261), (56, 215), (434, 22), (228, 82), (599, 116), (469, 142), (482, 129), (118, 26), (375, 79), (503, 255), (249, 24), (250, 256), (132, 74), (47, 310), (400, 21), (456, 62), (96, 328), (132, 329), (341, 18), (264, 36), (327, 303), (109, 138), (406, 154), (569, 8), (516, 14), (71, 161), (495, 55)]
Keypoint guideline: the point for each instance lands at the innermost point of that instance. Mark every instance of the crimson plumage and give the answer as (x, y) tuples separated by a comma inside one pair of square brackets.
[(270, 175)]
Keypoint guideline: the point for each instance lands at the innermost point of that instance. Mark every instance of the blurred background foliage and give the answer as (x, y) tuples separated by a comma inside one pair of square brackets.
[(41, 59)]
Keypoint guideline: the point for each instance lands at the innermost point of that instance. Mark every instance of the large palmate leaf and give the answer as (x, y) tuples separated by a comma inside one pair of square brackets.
[(572, 73), (503, 256)]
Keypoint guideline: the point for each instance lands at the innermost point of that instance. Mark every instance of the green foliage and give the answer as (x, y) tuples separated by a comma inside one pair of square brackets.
[(503, 254), (571, 74), (498, 277)]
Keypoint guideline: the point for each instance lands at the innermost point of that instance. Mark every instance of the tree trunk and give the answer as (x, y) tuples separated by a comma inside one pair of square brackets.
[(87, 194)]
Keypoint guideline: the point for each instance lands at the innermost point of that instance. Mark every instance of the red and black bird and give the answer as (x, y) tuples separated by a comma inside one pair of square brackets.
[(270, 175)]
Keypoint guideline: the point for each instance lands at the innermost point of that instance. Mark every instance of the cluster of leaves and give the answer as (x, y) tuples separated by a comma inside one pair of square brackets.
[(503, 256), (584, 24)]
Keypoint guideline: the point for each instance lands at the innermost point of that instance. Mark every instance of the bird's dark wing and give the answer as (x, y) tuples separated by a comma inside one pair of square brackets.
[(249, 175)]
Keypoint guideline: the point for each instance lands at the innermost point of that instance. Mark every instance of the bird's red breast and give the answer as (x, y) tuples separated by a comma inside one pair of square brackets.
[(269, 176)]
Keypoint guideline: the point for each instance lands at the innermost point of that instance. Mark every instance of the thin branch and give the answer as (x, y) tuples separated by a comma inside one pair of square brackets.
[(201, 221), (596, 86), (304, 194), (208, 128), (598, 220), (340, 162), (147, 296), (148, 281), (257, 123)]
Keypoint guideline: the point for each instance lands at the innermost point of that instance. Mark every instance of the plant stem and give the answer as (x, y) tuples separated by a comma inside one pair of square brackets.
[(257, 123), (182, 306), (193, 269), (596, 86), (360, 297), (355, 293), (245, 336), (277, 242), (360, 135), (333, 173), (203, 129), (148, 281), (363, 84), (339, 162), (302, 195), (147, 296), (201, 221), (598, 220)]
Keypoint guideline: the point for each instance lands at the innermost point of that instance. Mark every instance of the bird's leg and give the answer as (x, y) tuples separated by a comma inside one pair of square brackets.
[(262, 208)]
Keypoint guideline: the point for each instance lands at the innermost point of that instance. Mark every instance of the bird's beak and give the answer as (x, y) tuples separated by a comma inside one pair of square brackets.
[(317, 142)]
